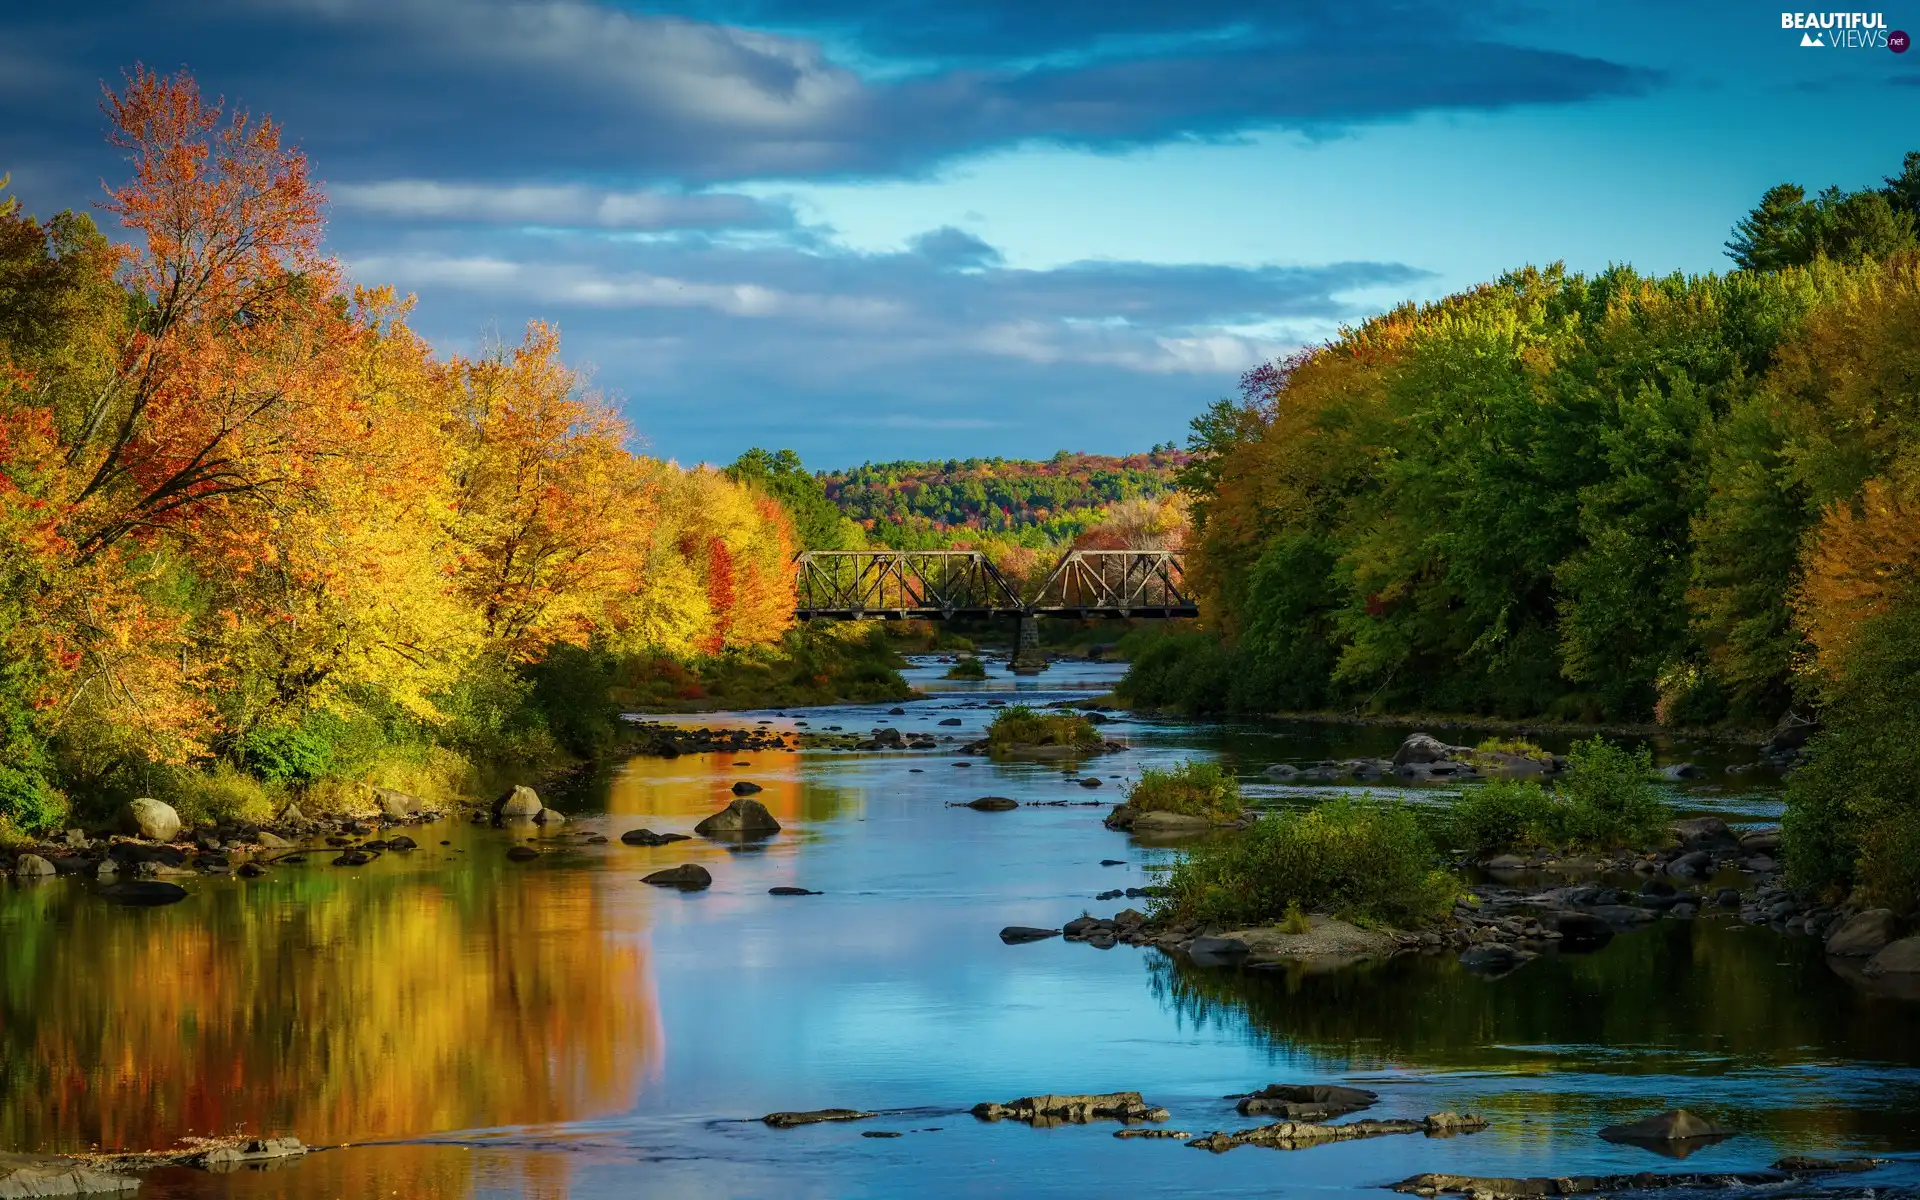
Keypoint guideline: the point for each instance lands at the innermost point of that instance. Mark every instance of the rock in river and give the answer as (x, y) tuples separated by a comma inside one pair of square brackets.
[(791, 891), (787, 1120), (743, 788), (32, 866), (1074, 1109), (520, 804), (993, 804), (1898, 958), (1014, 935), (522, 853), (1306, 1102), (150, 819), (688, 877), (743, 818), (1864, 934), (142, 893), (24, 1175), (647, 837), (1674, 1125)]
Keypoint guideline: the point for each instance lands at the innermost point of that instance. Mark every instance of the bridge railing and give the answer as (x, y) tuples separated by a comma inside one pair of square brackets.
[(848, 584)]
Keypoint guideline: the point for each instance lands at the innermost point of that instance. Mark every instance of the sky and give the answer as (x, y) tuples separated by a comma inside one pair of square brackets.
[(879, 229)]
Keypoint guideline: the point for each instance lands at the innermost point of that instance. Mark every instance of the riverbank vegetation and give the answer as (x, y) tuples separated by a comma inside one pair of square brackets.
[(1607, 801), (1018, 726), (1359, 860), (257, 537), (1602, 498), (1197, 788)]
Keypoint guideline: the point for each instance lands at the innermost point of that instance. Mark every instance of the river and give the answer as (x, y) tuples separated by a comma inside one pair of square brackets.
[(469, 1026)]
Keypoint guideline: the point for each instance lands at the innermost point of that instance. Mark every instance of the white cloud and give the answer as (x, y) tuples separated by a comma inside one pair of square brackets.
[(574, 205)]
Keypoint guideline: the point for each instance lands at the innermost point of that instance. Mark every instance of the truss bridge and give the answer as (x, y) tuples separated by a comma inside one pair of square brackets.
[(943, 584)]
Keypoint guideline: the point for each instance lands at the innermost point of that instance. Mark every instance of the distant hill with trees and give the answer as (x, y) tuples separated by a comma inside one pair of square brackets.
[(923, 505)]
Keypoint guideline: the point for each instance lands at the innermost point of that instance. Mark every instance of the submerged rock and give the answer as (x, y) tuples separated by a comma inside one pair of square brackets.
[(791, 891), (688, 877), (788, 1120), (1075, 1109), (743, 818), (1298, 1135), (143, 893), (522, 853)]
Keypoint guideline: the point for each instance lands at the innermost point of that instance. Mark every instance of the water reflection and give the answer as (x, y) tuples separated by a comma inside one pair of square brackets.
[(1681, 1010), (340, 1005)]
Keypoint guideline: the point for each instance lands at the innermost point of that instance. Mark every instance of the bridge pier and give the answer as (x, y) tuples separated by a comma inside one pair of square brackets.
[(1028, 658)]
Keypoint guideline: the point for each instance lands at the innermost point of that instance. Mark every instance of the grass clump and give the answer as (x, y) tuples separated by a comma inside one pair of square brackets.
[(967, 668), (1022, 726), (1362, 860), (1196, 789), (1295, 922), (1517, 747), (1607, 800)]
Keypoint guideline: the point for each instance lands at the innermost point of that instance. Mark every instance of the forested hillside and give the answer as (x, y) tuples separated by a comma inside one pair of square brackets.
[(1606, 497), (923, 505)]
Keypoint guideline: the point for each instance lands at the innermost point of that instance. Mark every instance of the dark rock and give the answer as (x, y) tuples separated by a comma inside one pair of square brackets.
[(1089, 782), (1691, 865), (993, 804), (1306, 1102), (1896, 958), (1579, 930), (743, 818), (522, 853), (1864, 934), (745, 788), (1674, 1125), (1727, 898), (688, 877), (1014, 935), (953, 721), (1421, 748), (360, 858), (1704, 833), (222, 1159), (23, 1176), (1113, 862), (1760, 841), (1217, 951), (141, 893), (1493, 959), (402, 843), (790, 1120), (647, 837), (250, 871), (1678, 771), (1799, 1165), (880, 1133), (790, 891)]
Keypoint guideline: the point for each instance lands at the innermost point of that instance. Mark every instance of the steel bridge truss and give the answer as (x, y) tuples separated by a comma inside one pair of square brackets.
[(938, 584)]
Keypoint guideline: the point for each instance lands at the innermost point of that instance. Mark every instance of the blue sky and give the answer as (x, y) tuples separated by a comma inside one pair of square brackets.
[(872, 229)]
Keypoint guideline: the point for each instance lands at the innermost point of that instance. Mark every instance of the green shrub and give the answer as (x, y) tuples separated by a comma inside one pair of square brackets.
[(1197, 789), (1502, 815), (1294, 921), (1358, 859), (1022, 726), (222, 792), (1610, 799), (1518, 747), (967, 668)]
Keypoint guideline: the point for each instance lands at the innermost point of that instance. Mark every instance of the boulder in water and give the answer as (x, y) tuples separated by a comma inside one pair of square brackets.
[(1674, 1125), (149, 818), (1864, 934), (144, 893), (520, 804), (743, 818), (688, 877)]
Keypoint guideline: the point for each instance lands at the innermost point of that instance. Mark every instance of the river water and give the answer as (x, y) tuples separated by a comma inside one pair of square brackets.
[(468, 1026)]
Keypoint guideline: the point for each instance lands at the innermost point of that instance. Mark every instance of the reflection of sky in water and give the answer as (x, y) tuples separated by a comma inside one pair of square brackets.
[(571, 1031)]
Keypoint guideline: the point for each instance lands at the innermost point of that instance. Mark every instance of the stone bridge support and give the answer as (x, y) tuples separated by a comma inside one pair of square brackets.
[(1028, 658)]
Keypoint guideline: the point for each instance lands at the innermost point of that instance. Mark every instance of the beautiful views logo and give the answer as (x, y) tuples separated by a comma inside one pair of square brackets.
[(1845, 31)]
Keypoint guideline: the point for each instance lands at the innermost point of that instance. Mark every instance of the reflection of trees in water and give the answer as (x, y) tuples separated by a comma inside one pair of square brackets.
[(333, 1005), (1695, 1001), (695, 785)]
